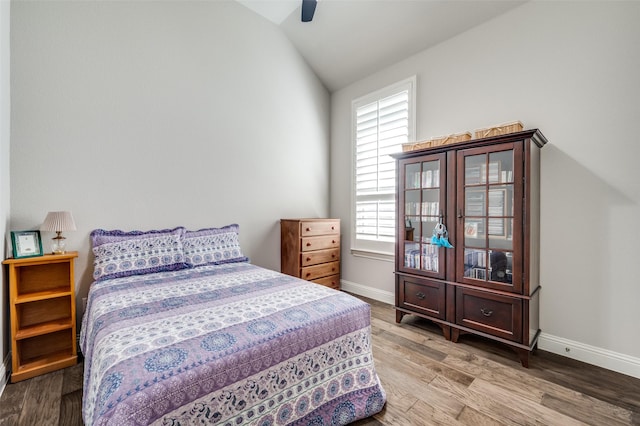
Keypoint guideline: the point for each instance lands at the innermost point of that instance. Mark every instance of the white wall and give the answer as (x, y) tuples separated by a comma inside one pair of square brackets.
[(570, 69), (5, 119), (148, 115)]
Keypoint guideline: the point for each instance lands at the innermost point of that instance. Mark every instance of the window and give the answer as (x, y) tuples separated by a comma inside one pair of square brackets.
[(381, 123)]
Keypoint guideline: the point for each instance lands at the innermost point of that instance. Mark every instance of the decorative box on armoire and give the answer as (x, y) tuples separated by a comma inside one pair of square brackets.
[(310, 249), (485, 193)]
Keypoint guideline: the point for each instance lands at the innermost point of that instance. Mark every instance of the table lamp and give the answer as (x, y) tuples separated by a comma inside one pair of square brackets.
[(58, 222)]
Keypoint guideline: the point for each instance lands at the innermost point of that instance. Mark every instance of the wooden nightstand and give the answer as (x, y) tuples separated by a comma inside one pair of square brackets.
[(43, 314)]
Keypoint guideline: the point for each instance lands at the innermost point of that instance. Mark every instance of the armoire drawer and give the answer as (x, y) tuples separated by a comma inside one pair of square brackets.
[(320, 256), (422, 295), (488, 312), (319, 271)]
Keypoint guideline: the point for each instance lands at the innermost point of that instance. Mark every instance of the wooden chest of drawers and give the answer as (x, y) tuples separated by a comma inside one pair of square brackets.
[(310, 249)]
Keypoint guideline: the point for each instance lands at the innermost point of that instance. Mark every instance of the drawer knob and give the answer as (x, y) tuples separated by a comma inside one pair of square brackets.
[(486, 312), (308, 229), (308, 274), (420, 295), (333, 241), (308, 259), (308, 244)]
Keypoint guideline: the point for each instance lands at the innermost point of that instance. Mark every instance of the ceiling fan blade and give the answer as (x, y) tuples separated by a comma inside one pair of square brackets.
[(308, 9)]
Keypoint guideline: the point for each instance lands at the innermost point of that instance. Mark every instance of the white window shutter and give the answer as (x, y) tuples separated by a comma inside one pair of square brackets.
[(383, 121)]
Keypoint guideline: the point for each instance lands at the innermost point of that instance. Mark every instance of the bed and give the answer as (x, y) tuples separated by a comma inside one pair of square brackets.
[(181, 329)]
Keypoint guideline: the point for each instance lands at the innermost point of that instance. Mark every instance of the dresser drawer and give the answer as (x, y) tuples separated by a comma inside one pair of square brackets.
[(309, 229), (319, 256), (332, 281), (421, 295), (318, 271), (320, 243), (492, 313)]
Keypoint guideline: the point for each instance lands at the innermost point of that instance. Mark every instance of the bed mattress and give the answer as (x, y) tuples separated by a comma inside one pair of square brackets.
[(229, 344)]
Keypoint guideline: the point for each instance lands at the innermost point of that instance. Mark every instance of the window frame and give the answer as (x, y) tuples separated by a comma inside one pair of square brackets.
[(381, 250)]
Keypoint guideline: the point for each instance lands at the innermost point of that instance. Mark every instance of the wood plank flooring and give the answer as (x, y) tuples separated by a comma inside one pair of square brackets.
[(431, 381), (48, 400), (428, 381)]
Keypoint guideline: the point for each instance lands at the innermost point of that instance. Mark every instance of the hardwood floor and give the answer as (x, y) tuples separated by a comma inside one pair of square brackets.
[(428, 381), (48, 400)]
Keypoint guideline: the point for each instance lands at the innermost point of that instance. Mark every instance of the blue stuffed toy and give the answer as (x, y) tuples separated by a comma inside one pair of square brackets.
[(440, 236)]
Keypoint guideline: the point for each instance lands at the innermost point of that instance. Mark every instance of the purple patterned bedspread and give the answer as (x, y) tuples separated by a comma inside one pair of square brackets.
[(229, 344)]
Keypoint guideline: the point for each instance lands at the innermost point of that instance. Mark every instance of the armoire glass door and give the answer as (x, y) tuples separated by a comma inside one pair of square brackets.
[(422, 204), (490, 208)]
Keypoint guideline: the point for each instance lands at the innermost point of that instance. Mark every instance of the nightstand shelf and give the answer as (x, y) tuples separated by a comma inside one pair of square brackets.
[(37, 364), (44, 328), (43, 314), (43, 295)]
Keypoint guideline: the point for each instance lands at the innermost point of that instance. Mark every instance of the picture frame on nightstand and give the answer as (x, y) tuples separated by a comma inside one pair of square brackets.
[(26, 244)]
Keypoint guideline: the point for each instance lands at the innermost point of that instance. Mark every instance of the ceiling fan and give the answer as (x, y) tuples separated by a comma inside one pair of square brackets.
[(308, 9)]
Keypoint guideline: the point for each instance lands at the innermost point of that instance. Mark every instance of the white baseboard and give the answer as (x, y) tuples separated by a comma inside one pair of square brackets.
[(604, 358), (5, 368), (371, 293), (575, 350)]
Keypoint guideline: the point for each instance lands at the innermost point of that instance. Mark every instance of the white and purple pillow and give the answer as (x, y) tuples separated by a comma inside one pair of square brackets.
[(212, 246), (121, 254)]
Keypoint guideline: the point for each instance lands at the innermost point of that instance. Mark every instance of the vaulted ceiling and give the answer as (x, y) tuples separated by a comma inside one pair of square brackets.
[(350, 39)]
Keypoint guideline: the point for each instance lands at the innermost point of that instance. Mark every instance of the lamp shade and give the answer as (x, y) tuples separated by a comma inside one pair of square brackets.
[(58, 222)]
